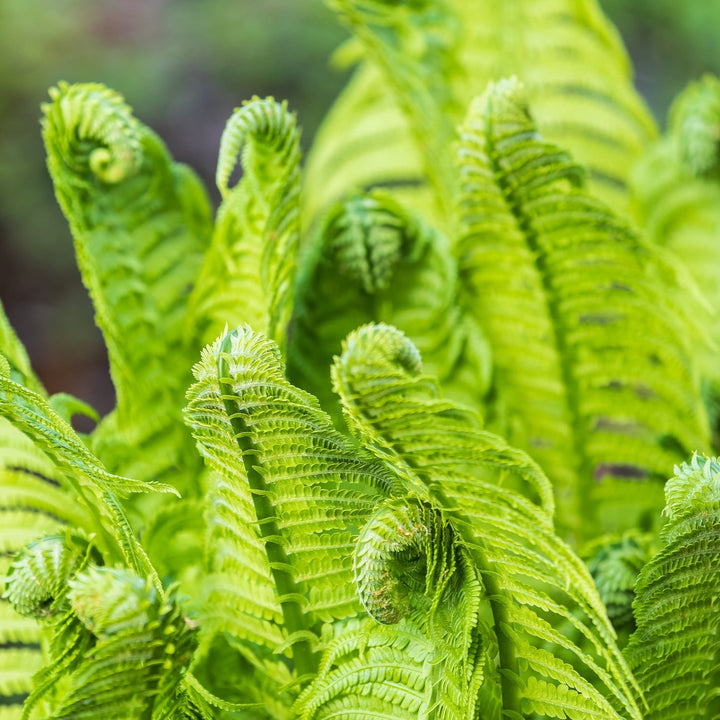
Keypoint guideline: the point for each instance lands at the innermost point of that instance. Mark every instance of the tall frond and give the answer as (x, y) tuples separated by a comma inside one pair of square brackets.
[(677, 192), (288, 495), (140, 223), (675, 651), (14, 351), (248, 271), (373, 261), (588, 103), (528, 577), (594, 372)]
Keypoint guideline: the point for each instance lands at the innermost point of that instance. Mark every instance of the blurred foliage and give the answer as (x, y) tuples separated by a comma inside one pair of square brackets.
[(184, 65)]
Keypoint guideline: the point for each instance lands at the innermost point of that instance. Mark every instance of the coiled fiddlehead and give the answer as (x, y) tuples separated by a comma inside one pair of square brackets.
[(92, 129), (404, 559), (37, 581), (252, 254), (373, 261)]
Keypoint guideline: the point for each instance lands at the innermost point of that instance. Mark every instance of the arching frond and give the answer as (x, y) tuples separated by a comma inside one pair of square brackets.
[(675, 651), (373, 261), (248, 271), (571, 60), (140, 223), (593, 366), (288, 494), (532, 581)]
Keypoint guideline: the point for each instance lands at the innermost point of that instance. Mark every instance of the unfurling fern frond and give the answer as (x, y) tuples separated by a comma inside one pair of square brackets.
[(593, 366), (248, 271), (675, 651), (467, 538), (140, 224), (374, 262), (288, 494), (142, 648)]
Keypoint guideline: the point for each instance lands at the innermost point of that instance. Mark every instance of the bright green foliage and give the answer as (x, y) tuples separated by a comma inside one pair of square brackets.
[(368, 522), (677, 188), (248, 271), (596, 380), (571, 60), (373, 261), (675, 652)]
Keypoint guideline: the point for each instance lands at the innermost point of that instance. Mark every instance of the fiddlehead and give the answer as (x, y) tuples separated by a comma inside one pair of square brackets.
[(247, 274), (404, 555), (37, 581), (373, 261), (675, 651)]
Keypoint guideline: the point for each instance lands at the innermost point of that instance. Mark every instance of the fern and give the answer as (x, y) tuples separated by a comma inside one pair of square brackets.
[(373, 261), (675, 651), (581, 383), (373, 517), (569, 57)]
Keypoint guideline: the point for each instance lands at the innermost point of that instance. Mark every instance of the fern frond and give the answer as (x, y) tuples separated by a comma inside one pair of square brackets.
[(675, 651), (14, 351), (82, 474), (677, 192), (288, 491), (373, 261), (593, 366), (248, 271), (531, 579), (588, 103), (139, 222), (143, 647)]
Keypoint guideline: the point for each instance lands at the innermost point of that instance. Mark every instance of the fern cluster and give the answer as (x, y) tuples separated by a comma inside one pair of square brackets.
[(371, 419)]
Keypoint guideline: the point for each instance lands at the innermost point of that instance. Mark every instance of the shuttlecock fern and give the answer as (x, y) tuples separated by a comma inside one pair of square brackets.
[(425, 392)]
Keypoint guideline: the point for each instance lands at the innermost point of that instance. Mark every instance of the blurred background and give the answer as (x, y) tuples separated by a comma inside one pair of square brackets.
[(184, 65)]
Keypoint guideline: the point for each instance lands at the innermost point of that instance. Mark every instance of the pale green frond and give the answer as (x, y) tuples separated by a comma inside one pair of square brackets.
[(415, 45), (289, 495), (248, 270), (675, 651), (143, 646), (677, 195), (594, 370), (374, 262), (391, 404), (568, 55), (532, 581)]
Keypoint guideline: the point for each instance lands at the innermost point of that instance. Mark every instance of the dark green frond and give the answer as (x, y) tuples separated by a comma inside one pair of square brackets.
[(373, 261), (675, 652), (532, 581), (594, 370), (248, 271)]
